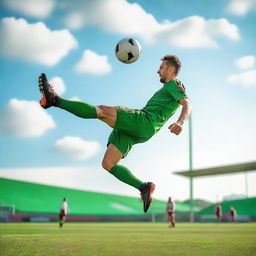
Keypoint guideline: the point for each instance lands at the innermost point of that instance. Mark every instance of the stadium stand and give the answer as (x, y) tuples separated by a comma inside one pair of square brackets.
[(37, 202), (245, 208)]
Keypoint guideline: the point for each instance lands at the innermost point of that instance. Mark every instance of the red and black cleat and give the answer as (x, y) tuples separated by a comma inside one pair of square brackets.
[(50, 98), (147, 190)]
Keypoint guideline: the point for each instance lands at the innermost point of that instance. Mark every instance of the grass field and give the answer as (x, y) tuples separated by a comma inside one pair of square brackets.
[(111, 239)]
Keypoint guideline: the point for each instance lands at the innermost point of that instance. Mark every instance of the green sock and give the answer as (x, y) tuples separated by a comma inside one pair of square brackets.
[(124, 174), (80, 109)]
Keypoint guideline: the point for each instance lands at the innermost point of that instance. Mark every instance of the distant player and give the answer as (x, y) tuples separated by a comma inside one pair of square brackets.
[(218, 212), (170, 210), (131, 126), (232, 213), (63, 212)]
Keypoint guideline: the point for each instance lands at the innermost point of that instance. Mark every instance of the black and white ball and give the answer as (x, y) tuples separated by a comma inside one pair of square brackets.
[(128, 50)]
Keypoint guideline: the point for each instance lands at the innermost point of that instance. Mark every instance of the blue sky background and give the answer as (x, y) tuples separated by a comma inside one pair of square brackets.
[(224, 107)]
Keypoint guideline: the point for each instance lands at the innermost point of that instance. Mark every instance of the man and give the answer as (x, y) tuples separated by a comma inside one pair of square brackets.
[(232, 213), (131, 126), (63, 212), (218, 212), (170, 210)]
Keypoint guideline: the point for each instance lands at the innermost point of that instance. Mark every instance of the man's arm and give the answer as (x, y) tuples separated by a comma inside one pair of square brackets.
[(185, 113)]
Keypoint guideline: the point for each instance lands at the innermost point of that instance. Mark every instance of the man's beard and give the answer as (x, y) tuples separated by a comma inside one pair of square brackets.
[(162, 80)]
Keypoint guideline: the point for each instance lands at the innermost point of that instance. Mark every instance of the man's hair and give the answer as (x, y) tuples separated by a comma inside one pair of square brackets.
[(172, 60)]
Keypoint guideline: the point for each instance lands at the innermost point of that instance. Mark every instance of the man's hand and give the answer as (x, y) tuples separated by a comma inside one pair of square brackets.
[(175, 128)]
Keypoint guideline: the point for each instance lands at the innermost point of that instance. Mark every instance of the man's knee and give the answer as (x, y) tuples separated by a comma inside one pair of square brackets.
[(107, 114), (107, 164), (103, 111)]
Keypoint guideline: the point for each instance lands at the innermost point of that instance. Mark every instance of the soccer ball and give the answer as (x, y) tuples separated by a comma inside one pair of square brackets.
[(128, 50)]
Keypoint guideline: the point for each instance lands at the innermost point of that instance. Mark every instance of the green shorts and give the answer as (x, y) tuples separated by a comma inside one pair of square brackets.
[(132, 127)]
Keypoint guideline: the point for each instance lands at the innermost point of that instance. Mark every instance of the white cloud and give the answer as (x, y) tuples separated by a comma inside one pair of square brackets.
[(247, 78), (75, 98), (74, 20), (120, 16), (93, 63), (76, 147), (56, 176), (245, 62), (58, 85), (32, 8), (25, 119), (34, 42), (195, 32), (241, 7)]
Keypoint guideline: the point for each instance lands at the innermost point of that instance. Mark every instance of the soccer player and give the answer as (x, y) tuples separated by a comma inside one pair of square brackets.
[(232, 213), (170, 210), (218, 212), (63, 212), (131, 126)]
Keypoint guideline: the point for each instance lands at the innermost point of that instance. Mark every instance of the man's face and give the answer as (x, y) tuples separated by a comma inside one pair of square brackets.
[(163, 72)]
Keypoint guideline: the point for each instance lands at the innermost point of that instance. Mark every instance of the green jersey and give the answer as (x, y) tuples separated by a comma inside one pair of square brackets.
[(164, 103), (137, 126)]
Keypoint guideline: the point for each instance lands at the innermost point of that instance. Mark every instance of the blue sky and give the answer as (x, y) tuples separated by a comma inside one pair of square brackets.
[(215, 41)]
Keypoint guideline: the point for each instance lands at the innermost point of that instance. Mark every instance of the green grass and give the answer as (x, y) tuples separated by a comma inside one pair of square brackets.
[(121, 239)]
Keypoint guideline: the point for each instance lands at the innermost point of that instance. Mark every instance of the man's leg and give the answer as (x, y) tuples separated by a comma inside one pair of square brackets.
[(81, 109), (63, 220), (169, 218), (106, 114), (173, 219), (110, 163), (60, 220)]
